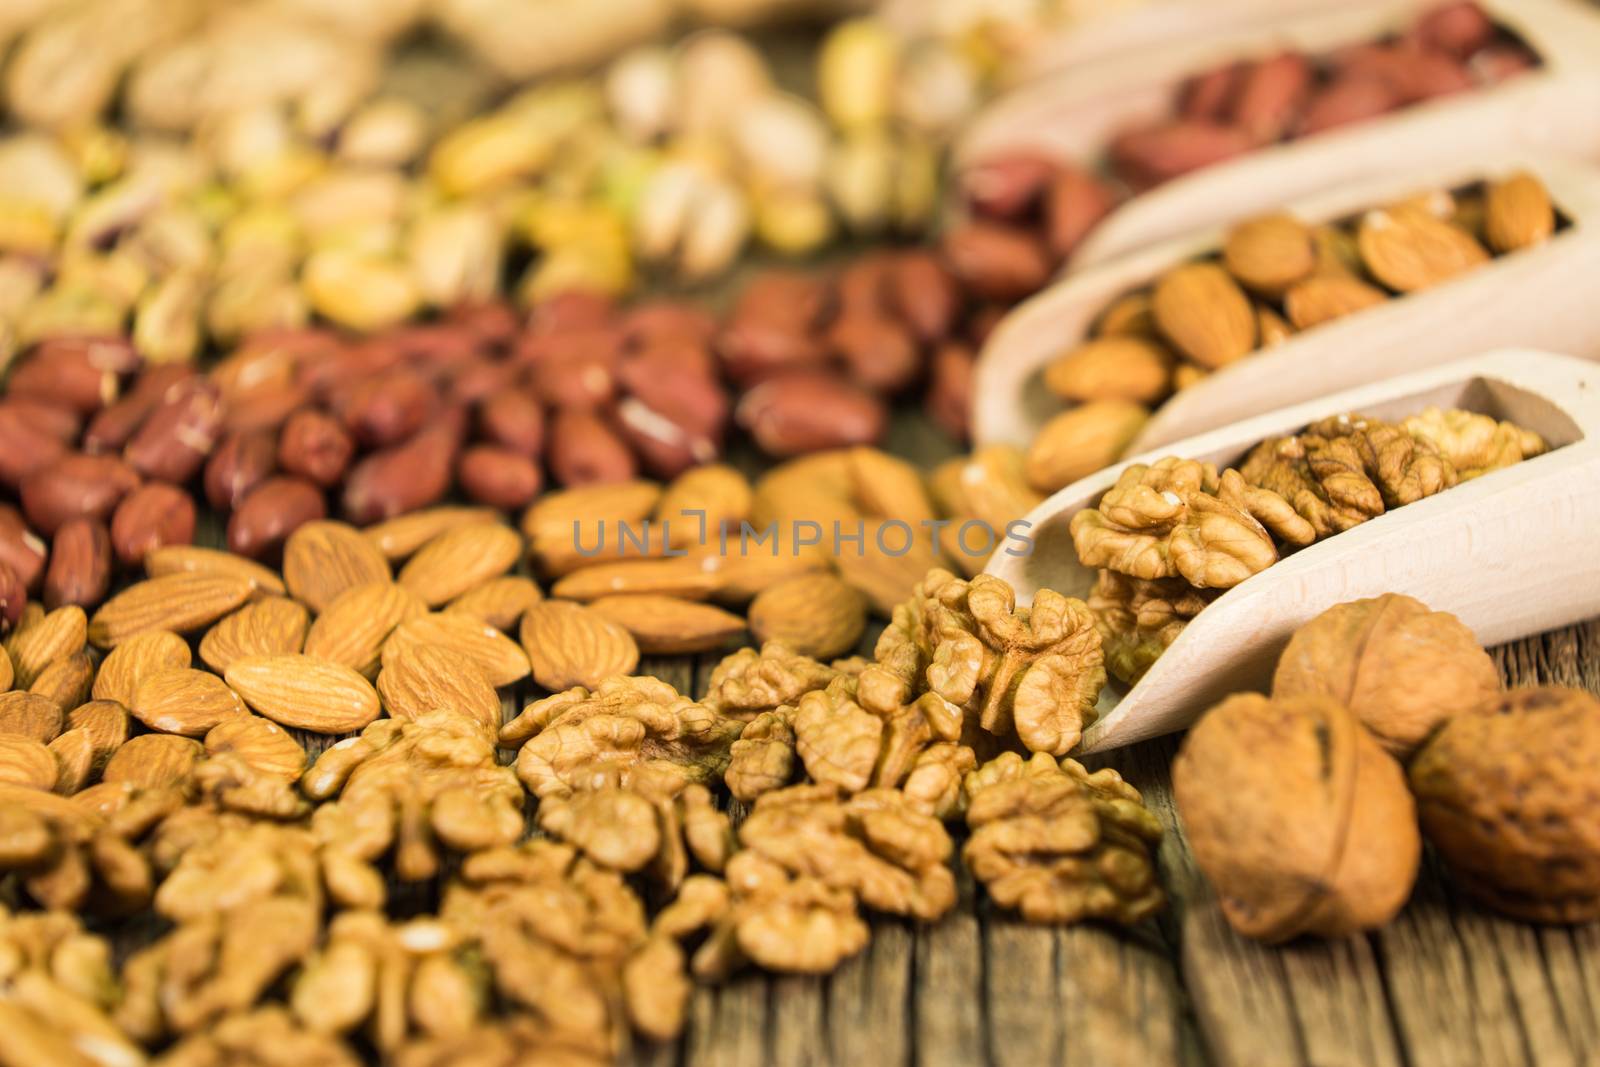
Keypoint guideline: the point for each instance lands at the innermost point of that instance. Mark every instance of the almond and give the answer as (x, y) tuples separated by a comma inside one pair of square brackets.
[(1271, 327), (398, 538), (667, 625), (558, 523), (182, 700), (884, 578), (688, 577), (1130, 316), (322, 559), (702, 501), (75, 761), (1325, 297), (305, 692), (1202, 311), (1112, 368), (422, 678), (143, 654), (25, 761), (42, 638), (459, 559), (881, 484), (499, 602), (265, 628), (30, 715), (355, 626), (1078, 442), (748, 569), (1408, 250), (1518, 213), (189, 559), (151, 761), (501, 659), (568, 645), (1270, 253), (66, 682), (178, 602), (106, 723), (261, 743), (8, 674), (817, 615)]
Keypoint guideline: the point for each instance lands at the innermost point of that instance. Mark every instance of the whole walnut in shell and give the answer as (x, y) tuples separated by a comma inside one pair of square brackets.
[(1507, 792), (1401, 667), (1297, 816)]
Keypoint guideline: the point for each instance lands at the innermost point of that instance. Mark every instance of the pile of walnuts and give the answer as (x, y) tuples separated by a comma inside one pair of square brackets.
[(1171, 536), (1302, 808)]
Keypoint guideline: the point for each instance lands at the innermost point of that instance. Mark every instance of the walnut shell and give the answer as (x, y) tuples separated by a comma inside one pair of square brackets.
[(1507, 793), (1297, 816), (1401, 667)]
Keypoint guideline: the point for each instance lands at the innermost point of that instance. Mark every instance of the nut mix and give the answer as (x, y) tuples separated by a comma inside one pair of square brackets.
[(1276, 276), (1172, 535), (1031, 212)]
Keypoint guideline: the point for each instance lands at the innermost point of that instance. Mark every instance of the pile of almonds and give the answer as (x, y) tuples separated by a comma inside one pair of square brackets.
[(1274, 277), (1031, 212)]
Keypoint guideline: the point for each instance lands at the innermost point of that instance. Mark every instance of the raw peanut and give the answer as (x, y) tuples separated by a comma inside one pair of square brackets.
[(1351, 98), (673, 420), (1325, 297), (584, 450), (513, 420), (948, 400), (1112, 368), (76, 486), (273, 510), (664, 625), (661, 321), (41, 638), (305, 692), (774, 327), (1459, 28), (1006, 188), (1270, 253), (182, 700), (269, 627), (460, 559), (55, 421), (1160, 153), (179, 434), (266, 409), (996, 262), (353, 629), (182, 603), (13, 598), (30, 715), (815, 615), (106, 723), (154, 761), (1518, 213), (401, 479), (501, 659), (1203, 312), (314, 446), (71, 378), (806, 412), (878, 352), (1425, 75), (1270, 96), (1074, 205), (1079, 442), (419, 679), (499, 602), (322, 559), (128, 663), (388, 409), (568, 645), (261, 743), (66, 682), (581, 382), (1501, 61), (398, 538), (1207, 96), (150, 517), (80, 564), (188, 559), (498, 477), (112, 427), (242, 462), (483, 381), (25, 449), (924, 295)]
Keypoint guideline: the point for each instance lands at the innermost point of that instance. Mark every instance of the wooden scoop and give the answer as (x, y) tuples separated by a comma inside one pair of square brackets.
[(1536, 296), (1511, 553)]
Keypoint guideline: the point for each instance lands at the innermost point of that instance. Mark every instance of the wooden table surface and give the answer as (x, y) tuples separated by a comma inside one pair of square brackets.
[(1447, 984)]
